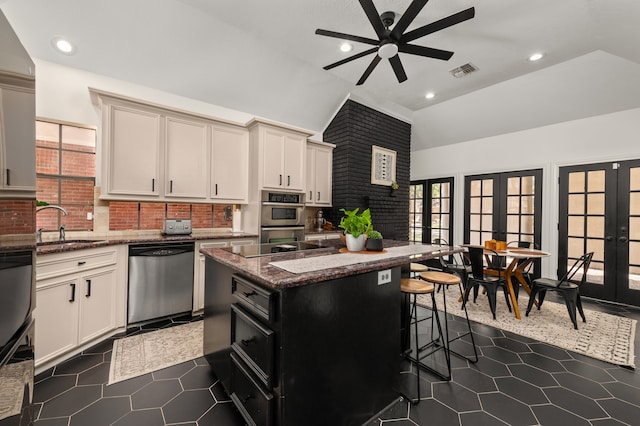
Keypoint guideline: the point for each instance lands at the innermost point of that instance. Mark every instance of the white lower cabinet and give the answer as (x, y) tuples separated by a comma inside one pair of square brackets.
[(79, 302), (198, 275)]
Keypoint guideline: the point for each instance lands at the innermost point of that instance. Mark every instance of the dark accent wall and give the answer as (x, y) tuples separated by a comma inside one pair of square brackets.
[(354, 129)]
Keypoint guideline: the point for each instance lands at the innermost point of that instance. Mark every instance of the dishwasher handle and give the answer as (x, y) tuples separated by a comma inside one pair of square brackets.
[(162, 252)]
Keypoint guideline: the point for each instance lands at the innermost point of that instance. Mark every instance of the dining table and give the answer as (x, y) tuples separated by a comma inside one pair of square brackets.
[(517, 261)]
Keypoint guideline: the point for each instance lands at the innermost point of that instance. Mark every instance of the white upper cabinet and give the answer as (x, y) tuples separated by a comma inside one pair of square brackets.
[(281, 157), (132, 138), (186, 158), (319, 174), (159, 154), (229, 163), (17, 140)]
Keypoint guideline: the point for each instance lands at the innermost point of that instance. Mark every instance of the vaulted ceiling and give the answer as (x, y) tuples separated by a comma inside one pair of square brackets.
[(263, 58)]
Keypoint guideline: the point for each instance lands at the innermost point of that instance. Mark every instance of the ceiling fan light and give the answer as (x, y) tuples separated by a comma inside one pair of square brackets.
[(346, 47), (388, 50)]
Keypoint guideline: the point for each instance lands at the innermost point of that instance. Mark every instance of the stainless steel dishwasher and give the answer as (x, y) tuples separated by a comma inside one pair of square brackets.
[(160, 280)]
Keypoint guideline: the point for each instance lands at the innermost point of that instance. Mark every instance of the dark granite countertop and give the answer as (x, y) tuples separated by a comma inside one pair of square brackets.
[(261, 270), (73, 244)]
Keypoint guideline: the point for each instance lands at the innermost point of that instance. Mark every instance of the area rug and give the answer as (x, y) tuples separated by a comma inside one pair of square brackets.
[(604, 336), (143, 353)]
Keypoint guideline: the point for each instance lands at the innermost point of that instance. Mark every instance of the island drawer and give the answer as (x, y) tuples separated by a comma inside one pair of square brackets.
[(254, 403), (253, 343), (256, 299)]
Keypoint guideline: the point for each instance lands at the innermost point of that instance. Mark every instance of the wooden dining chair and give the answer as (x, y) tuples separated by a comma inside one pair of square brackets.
[(566, 286), (489, 282)]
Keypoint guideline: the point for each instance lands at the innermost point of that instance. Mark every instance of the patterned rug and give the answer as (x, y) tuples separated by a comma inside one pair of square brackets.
[(604, 336), (143, 353)]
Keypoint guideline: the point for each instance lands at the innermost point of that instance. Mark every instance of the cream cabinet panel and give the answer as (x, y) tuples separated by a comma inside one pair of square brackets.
[(229, 164), (17, 139), (319, 177), (80, 297), (134, 151), (186, 158), (98, 306), (56, 317), (198, 284), (282, 155)]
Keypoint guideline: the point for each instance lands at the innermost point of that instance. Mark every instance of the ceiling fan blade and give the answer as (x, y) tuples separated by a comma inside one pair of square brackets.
[(351, 58), (407, 18), (443, 23), (374, 17), (429, 52), (369, 69), (347, 37), (398, 69)]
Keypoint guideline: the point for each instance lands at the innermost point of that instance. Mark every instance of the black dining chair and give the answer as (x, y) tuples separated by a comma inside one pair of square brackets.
[(489, 282), (566, 286)]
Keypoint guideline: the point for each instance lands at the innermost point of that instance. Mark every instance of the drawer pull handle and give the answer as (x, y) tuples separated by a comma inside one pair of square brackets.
[(249, 294), (245, 342), (73, 293), (82, 262), (88, 289)]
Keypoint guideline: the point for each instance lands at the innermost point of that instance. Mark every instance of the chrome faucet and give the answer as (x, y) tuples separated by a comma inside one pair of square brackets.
[(39, 231)]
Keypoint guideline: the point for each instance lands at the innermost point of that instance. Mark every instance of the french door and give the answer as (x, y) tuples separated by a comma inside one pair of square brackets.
[(505, 207), (599, 211), (431, 210)]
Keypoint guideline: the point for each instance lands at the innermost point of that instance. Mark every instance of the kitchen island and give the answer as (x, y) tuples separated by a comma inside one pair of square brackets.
[(309, 337)]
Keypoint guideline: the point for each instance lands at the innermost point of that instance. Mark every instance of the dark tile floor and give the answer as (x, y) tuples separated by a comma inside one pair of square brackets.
[(517, 381)]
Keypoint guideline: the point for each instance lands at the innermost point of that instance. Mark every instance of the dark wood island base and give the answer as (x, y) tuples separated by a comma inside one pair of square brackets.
[(319, 348)]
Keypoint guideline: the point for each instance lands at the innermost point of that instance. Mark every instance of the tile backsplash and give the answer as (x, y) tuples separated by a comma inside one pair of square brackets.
[(137, 216)]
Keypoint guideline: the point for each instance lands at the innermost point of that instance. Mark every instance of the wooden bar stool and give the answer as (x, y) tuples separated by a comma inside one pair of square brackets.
[(412, 286), (446, 279), (417, 268)]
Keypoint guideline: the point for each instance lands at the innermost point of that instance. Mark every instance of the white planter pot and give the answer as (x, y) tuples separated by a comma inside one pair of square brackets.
[(355, 244)]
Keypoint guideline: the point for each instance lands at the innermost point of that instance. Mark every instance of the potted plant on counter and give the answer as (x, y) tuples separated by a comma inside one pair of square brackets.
[(374, 241), (355, 227)]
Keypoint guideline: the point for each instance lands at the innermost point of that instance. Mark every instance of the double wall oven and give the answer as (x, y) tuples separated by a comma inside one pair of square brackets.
[(282, 217)]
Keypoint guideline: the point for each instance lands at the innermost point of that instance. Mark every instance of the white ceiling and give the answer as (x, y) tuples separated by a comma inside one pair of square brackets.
[(263, 58)]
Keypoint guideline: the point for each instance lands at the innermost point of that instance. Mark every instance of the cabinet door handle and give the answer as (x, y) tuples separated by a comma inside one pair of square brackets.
[(8, 177), (82, 262), (318, 195), (288, 180), (280, 180), (171, 186), (310, 195), (245, 342), (73, 292), (153, 184), (216, 189), (88, 289)]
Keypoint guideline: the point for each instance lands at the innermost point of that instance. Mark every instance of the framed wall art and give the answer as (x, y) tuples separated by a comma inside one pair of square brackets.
[(383, 166)]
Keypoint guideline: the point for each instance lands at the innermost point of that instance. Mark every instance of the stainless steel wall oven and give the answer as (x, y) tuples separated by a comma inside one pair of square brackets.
[(282, 217)]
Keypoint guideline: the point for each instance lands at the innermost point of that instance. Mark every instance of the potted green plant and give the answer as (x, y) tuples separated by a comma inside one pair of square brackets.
[(374, 240), (355, 227)]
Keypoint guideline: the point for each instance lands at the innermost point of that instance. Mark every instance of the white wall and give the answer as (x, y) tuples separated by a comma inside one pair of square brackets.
[(603, 138)]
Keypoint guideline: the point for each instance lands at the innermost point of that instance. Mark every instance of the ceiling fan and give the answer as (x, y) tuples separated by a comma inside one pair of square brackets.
[(392, 41)]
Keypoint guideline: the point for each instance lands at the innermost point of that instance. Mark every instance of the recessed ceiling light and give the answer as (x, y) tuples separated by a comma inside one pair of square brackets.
[(346, 47), (430, 95), (63, 46), (536, 57)]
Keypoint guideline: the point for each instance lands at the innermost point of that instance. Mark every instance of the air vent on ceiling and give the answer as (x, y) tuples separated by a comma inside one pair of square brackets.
[(463, 70)]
